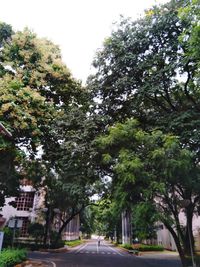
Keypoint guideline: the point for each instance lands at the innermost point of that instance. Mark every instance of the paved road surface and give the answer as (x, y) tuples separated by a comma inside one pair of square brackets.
[(105, 255)]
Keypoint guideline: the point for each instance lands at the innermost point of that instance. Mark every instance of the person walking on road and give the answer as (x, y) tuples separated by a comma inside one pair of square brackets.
[(98, 241)]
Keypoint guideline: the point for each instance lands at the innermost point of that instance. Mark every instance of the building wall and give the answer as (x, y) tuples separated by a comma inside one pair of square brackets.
[(165, 238), (72, 230), (196, 231), (35, 214), (8, 212)]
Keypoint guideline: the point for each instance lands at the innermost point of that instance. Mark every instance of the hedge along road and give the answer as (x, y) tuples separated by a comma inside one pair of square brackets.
[(105, 255)]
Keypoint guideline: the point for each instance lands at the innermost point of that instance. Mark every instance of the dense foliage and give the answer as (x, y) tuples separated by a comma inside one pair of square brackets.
[(9, 258), (44, 108), (148, 70), (34, 85)]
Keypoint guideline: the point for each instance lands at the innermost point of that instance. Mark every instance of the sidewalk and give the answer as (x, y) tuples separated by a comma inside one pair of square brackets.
[(160, 254), (34, 263)]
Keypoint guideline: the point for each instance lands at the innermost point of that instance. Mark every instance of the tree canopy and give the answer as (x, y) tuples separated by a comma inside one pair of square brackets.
[(35, 85), (153, 168), (148, 70)]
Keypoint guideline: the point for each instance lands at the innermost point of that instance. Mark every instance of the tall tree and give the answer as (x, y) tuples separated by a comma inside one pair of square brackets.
[(190, 14), (146, 70), (149, 69), (34, 85), (70, 154), (154, 168)]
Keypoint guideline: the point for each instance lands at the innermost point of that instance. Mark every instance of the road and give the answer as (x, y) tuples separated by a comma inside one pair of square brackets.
[(105, 255)]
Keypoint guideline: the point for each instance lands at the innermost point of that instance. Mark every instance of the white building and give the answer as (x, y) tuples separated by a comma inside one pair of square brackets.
[(165, 239), (28, 208), (25, 206)]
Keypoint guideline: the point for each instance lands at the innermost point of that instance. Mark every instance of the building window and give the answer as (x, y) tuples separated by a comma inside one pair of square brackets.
[(25, 224), (25, 201), (25, 182)]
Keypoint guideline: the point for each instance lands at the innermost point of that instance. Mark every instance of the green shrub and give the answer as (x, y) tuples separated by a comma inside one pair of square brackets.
[(28, 245), (36, 230), (10, 257), (73, 243), (8, 236), (56, 243), (127, 246), (143, 247), (59, 244)]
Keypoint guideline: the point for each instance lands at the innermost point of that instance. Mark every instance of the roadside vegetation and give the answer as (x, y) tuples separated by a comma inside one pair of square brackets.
[(142, 247), (74, 243), (11, 257)]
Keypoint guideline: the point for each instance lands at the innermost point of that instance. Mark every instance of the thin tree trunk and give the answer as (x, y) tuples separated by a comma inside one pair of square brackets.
[(65, 223), (47, 226), (189, 232), (178, 244)]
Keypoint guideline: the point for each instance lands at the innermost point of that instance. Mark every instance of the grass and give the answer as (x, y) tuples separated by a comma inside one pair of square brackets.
[(142, 247), (73, 243)]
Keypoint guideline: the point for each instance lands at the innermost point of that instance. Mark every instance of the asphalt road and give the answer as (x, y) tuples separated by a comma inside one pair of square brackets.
[(105, 255)]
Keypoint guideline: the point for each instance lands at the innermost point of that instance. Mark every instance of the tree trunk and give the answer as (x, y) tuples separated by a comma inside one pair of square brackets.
[(58, 236), (65, 223), (68, 220), (126, 227), (189, 238), (178, 244), (47, 227)]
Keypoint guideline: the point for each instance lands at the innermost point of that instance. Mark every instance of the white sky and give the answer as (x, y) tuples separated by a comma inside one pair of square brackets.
[(79, 27)]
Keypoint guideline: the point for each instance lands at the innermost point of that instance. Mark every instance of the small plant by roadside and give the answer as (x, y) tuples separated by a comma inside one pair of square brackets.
[(10, 257), (127, 246), (143, 247), (73, 243), (36, 230)]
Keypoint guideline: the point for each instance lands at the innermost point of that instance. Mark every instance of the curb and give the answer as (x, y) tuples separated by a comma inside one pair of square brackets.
[(56, 250), (36, 263)]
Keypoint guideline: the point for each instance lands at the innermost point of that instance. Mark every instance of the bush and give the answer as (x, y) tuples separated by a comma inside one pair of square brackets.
[(143, 247), (73, 243), (10, 257), (8, 236), (28, 245), (127, 246), (60, 244), (36, 230)]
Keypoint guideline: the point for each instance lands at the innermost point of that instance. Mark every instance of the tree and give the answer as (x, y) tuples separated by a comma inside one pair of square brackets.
[(33, 87), (146, 71), (153, 168), (46, 109), (9, 177), (38, 83), (69, 160), (144, 219), (149, 69), (190, 14), (105, 218)]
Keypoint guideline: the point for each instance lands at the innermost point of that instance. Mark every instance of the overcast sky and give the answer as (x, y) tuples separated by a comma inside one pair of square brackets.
[(77, 26)]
